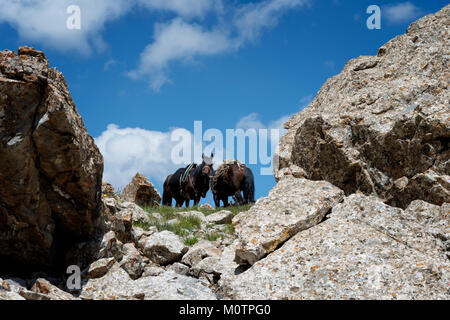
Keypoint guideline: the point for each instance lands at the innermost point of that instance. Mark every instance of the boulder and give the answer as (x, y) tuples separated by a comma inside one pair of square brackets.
[(117, 285), (293, 205), (99, 268), (132, 261), (50, 167), (200, 251), (142, 192), (44, 287), (221, 217), (365, 250), (382, 125), (164, 247)]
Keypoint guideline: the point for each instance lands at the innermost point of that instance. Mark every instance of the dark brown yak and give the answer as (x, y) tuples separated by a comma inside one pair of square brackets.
[(194, 187), (229, 181)]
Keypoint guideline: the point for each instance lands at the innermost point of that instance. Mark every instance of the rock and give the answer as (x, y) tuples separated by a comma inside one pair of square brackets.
[(110, 247), (293, 205), (152, 271), (195, 214), (44, 287), (208, 269), (50, 166), (435, 221), (108, 190), (221, 217), (100, 267), (200, 251), (382, 120), (141, 191), (139, 234), (9, 290), (206, 206), (137, 213), (164, 247), (120, 216), (179, 268), (365, 250), (9, 295), (166, 286), (132, 262)]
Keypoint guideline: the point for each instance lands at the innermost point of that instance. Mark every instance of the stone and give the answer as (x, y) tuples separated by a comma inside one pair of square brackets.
[(365, 250), (221, 217), (50, 167), (132, 261), (99, 268), (179, 268), (293, 205), (382, 125), (117, 285), (142, 192), (200, 251), (195, 214), (152, 271), (44, 287), (110, 247), (108, 190), (164, 247)]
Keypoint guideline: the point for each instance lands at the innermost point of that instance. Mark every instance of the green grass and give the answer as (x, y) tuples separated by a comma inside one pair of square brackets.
[(190, 241), (186, 227), (170, 212), (228, 228), (213, 236)]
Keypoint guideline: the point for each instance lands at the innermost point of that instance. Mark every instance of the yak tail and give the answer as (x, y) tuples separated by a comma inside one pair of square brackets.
[(249, 186), (167, 195), (167, 199)]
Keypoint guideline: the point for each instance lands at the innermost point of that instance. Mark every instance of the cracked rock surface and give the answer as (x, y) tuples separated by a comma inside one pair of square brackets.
[(50, 168), (381, 126)]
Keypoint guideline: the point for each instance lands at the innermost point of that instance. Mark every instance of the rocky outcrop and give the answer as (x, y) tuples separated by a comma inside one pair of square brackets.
[(141, 191), (167, 285), (50, 168), (164, 247), (365, 250), (292, 206), (382, 125), (378, 132)]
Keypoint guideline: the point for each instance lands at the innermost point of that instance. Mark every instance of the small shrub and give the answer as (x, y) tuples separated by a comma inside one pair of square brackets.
[(190, 241)]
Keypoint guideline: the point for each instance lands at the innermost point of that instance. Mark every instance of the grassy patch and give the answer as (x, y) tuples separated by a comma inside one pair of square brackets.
[(190, 241), (213, 236), (228, 228), (186, 226), (170, 212)]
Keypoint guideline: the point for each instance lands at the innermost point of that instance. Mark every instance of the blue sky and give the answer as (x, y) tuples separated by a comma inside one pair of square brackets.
[(138, 69)]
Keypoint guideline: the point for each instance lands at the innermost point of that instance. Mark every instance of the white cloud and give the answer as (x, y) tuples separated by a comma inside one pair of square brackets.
[(130, 150), (177, 40), (253, 121), (44, 21), (233, 25), (184, 8), (401, 12), (127, 151), (181, 41), (251, 19)]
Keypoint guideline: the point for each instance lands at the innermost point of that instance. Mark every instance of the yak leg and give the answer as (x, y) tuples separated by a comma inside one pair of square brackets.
[(179, 202), (239, 199), (188, 202), (225, 201)]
